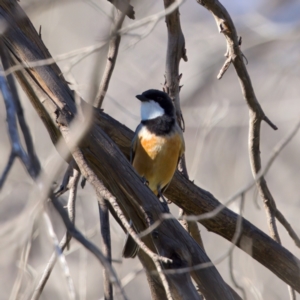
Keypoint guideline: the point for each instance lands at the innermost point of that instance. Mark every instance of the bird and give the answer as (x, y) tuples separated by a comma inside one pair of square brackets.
[(156, 148)]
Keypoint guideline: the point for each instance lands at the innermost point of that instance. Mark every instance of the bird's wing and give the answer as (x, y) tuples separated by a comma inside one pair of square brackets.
[(134, 142), (181, 153)]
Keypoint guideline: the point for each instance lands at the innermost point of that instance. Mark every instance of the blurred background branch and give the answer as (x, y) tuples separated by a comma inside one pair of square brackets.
[(215, 138)]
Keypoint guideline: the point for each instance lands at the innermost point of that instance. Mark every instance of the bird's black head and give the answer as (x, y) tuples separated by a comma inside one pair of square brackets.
[(155, 103)]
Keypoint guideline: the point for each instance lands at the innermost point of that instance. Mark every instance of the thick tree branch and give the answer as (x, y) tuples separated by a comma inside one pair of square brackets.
[(198, 201), (97, 145), (181, 191)]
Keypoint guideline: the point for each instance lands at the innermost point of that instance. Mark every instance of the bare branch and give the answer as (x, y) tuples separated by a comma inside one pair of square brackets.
[(61, 257), (124, 7), (256, 114), (156, 258), (239, 231), (34, 161), (191, 227), (279, 260), (72, 200), (70, 181), (8, 166), (129, 277), (47, 272), (17, 149), (200, 202), (111, 59), (106, 245), (175, 52), (88, 245)]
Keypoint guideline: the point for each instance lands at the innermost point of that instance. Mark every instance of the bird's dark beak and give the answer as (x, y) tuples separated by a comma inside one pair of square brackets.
[(142, 98)]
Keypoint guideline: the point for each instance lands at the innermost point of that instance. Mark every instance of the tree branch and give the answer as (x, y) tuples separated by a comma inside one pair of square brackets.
[(196, 201), (124, 7), (175, 52), (256, 114), (106, 245), (111, 58), (181, 191), (88, 245)]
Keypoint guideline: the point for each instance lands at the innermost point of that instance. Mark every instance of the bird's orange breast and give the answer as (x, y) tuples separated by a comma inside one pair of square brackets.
[(156, 157)]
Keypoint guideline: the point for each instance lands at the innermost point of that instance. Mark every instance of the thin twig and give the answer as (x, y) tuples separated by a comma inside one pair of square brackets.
[(103, 209), (236, 284), (67, 181), (47, 272), (111, 59), (129, 277), (34, 161), (23, 265), (70, 181), (124, 7), (175, 52), (8, 166), (83, 266), (86, 51), (106, 245), (256, 113), (17, 149), (292, 293), (191, 227), (72, 201), (61, 257), (163, 279), (88, 245), (131, 231)]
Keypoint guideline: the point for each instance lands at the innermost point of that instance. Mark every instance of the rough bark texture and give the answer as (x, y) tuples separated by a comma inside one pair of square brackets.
[(98, 158), (54, 102)]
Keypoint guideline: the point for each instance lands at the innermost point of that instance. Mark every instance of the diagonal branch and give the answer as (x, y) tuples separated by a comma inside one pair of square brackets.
[(60, 107), (20, 113), (88, 245), (124, 7), (256, 114), (111, 58), (182, 192), (17, 149), (196, 201)]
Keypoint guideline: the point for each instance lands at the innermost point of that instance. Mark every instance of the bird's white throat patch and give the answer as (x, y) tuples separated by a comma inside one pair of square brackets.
[(151, 110)]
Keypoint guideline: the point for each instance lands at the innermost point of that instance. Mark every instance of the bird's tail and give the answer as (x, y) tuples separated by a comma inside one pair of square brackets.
[(130, 248)]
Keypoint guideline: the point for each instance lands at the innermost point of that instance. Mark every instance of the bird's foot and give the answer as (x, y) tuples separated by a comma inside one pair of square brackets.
[(164, 203), (145, 181)]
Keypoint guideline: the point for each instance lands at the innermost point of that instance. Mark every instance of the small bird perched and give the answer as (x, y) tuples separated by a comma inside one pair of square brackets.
[(156, 147)]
